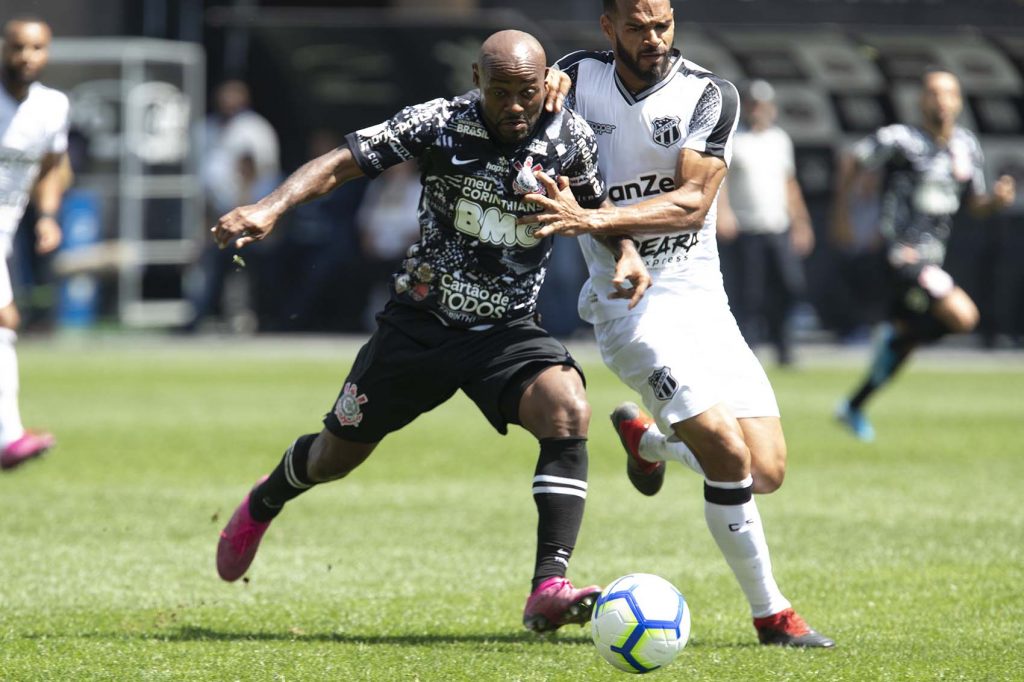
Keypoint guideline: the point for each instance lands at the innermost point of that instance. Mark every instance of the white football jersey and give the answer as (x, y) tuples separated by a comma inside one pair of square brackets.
[(29, 130), (640, 138)]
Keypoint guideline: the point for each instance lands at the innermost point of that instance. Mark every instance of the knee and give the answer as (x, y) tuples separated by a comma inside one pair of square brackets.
[(768, 475), (570, 416), (965, 320), (556, 410), (727, 456), (577, 415)]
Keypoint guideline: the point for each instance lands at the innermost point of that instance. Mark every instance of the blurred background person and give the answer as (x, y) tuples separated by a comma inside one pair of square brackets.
[(322, 255), (240, 164), (764, 216), (929, 171), (33, 163), (856, 298), (388, 221)]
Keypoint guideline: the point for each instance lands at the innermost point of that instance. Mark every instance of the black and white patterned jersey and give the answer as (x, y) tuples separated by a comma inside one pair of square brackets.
[(473, 266), (923, 184), (640, 138)]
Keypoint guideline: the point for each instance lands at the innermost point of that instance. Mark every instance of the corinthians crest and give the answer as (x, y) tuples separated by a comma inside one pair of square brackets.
[(348, 409), (663, 383), (666, 130)]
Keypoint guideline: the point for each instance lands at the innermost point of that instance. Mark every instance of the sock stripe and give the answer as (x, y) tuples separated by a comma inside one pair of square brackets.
[(558, 490), (560, 480), (728, 496), (289, 470)]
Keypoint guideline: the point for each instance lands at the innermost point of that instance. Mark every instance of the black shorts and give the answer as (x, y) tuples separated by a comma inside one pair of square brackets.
[(916, 287), (413, 363)]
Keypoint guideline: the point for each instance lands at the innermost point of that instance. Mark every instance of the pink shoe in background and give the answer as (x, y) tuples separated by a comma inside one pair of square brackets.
[(25, 448)]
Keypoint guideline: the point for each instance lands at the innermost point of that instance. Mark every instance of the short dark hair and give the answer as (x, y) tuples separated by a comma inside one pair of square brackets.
[(23, 18), (610, 6), (933, 69)]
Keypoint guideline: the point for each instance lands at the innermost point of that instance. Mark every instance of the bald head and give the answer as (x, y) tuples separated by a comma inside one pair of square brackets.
[(510, 74), (510, 48)]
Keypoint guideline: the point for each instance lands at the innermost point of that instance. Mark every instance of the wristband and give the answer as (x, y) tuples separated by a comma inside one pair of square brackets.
[(45, 214)]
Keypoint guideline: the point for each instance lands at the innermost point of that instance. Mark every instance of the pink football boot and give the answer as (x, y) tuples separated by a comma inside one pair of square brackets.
[(25, 448)]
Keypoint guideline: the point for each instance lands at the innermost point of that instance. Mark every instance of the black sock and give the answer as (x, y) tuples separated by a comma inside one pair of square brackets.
[(287, 481), (887, 361), (559, 490)]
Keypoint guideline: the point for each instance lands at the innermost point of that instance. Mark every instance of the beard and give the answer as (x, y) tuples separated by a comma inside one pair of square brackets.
[(651, 75), (15, 76)]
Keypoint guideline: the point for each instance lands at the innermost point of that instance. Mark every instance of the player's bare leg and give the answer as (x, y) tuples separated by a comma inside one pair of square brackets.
[(953, 312), (957, 311), (718, 440), (554, 409), (311, 459), (647, 448), (17, 445), (767, 444)]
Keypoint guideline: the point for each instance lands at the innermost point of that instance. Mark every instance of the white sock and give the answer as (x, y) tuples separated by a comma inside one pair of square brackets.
[(656, 447), (735, 524), (10, 417)]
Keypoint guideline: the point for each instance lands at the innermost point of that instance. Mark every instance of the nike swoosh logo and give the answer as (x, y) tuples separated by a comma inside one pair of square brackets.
[(462, 162)]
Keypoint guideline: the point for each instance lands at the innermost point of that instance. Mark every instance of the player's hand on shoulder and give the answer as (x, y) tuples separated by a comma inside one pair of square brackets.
[(244, 225), (48, 235), (556, 85)]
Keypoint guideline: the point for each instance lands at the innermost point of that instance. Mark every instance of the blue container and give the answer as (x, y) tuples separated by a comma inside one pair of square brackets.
[(79, 294)]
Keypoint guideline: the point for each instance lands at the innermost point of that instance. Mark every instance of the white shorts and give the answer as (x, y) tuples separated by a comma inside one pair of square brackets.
[(6, 293), (685, 359)]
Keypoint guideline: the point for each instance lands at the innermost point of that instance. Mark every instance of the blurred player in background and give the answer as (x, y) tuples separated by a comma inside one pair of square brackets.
[(664, 128), (461, 309), (927, 171), (762, 209), (240, 163), (33, 165)]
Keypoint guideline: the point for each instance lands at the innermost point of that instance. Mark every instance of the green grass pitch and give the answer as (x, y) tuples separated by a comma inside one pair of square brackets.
[(909, 552)]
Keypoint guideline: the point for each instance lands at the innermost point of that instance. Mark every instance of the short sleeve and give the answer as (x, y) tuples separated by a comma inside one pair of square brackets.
[(978, 186), (59, 138), (714, 120), (404, 136), (585, 179), (788, 155), (876, 149)]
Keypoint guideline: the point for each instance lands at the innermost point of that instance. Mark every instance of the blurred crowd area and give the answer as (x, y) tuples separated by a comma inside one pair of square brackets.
[(196, 107)]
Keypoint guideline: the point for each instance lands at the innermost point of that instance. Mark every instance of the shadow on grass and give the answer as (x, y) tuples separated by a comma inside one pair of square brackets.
[(196, 633), (193, 633)]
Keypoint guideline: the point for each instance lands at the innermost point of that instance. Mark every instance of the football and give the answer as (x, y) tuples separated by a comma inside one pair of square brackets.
[(640, 623)]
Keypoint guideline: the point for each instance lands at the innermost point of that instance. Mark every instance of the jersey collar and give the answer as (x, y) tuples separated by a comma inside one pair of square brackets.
[(631, 99)]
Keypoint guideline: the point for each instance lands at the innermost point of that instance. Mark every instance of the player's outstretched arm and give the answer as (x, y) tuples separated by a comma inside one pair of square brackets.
[(252, 223), (1004, 191), (698, 177)]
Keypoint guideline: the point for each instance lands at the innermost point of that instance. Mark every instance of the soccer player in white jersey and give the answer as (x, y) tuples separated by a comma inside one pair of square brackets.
[(33, 163), (664, 128)]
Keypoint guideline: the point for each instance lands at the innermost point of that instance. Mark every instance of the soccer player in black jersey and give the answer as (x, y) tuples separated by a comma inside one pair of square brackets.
[(927, 171), (461, 314)]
